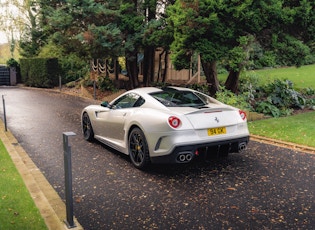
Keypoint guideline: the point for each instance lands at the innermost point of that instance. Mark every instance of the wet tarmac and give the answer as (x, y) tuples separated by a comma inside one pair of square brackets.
[(266, 187)]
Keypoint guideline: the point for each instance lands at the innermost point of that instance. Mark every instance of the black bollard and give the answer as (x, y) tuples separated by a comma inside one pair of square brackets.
[(4, 114), (68, 179)]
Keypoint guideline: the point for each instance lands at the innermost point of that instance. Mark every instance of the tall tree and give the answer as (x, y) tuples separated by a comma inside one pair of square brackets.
[(287, 29), (150, 7), (131, 26), (157, 35), (84, 27), (223, 31), (199, 27)]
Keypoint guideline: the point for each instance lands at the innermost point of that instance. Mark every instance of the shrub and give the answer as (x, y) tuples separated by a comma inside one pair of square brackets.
[(282, 94), (248, 87), (200, 87), (40, 72), (13, 63), (267, 60), (279, 98), (267, 108), (105, 83), (290, 51), (72, 67), (229, 98)]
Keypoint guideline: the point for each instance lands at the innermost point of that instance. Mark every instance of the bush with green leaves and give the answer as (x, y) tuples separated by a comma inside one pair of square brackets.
[(40, 72), (72, 67), (106, 84), (13, 63), (200, 87), (248, 87), (230, 98), (289, 50), (267, 108), (279, 98), (268, 59)]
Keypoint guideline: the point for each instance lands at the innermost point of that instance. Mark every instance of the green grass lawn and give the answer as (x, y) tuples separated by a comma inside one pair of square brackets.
[(299, 129), (18, 210), (302, 77)]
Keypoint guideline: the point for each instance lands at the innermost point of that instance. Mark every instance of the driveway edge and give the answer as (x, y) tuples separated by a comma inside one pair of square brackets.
[(284, 144), (50, 205)]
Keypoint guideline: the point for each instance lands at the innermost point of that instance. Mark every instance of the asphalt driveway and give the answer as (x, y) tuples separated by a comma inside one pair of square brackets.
[(266, 187)]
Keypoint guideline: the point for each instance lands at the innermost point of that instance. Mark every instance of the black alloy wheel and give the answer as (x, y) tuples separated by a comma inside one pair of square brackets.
[(138, 149), (87, 128)]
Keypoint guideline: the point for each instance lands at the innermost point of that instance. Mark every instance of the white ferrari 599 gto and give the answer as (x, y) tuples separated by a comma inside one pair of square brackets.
[(166, 125)]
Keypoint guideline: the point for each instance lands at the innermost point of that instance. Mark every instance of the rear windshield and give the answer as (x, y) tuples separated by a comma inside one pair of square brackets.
[(177, 98)]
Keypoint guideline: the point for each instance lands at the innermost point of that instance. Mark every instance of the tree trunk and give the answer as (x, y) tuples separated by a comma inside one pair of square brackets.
[(132, 69), (149, 51), (164, 74), (116, 68), (232, 80), (162, 69), (148, 65), (210, 70)]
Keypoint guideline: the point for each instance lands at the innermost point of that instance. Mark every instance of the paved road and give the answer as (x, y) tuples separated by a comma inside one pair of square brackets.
[(266, 187)]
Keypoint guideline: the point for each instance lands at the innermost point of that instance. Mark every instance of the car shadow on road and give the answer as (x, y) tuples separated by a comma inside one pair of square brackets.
[(198, 165), (237, 164)]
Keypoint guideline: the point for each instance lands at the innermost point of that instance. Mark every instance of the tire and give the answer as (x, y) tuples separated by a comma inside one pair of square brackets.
[(138, 149), (87, 128)]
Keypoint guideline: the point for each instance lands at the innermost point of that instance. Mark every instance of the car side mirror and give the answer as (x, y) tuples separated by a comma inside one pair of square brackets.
[(105, 104)]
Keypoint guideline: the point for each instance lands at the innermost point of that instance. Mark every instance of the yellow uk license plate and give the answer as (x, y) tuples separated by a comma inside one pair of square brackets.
[(216, 131)]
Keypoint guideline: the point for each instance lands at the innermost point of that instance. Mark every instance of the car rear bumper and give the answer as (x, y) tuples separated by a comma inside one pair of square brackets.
[(186, 153)]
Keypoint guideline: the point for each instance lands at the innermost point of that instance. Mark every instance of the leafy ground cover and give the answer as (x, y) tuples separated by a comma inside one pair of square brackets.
[(274, 92), (18, 210), (293, 110)]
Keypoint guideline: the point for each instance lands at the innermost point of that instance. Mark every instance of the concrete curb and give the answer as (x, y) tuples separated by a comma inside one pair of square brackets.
[(50, 205), (283, 144)]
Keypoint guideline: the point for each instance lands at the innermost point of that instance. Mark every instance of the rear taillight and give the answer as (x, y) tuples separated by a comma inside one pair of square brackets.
[(243, 114), (174, 122)]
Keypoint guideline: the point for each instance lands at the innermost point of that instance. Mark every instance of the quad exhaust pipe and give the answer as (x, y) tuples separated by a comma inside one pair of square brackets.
[(242, 146), (185, 157)]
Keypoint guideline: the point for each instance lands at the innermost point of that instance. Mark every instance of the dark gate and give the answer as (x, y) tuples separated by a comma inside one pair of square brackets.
[(4, 75)]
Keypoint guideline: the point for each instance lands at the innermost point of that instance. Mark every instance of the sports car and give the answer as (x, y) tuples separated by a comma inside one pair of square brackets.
[(166, 125)]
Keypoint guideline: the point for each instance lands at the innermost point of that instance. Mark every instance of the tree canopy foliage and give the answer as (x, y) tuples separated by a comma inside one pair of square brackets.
[(226, 31), (234, 34)]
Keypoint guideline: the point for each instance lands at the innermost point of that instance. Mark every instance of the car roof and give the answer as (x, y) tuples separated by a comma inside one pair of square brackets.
[(148, 90)]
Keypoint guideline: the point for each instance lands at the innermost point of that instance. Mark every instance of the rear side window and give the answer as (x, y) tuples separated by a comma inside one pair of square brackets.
[(176, 98)]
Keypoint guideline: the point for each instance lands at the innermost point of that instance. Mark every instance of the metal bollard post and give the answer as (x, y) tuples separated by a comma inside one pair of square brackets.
[(94, 90), (68, 179), (4, 114), (60, 85)]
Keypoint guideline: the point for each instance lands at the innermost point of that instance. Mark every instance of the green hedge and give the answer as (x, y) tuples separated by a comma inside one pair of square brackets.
[(40, 72)]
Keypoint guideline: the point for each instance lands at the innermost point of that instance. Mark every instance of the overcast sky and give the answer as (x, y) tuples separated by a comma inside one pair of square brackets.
[(7, 10), (3, 38)]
